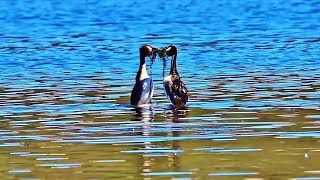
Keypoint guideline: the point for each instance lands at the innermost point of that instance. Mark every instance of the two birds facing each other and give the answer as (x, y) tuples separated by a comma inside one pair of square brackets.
[(176, 91)]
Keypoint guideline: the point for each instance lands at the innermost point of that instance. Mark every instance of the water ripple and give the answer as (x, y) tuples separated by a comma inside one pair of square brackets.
[(19, 171), (233, 174), (166, 173), (66, 165)]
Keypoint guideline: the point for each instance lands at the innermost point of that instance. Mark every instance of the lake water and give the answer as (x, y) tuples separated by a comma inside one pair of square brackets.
[(252, 69)]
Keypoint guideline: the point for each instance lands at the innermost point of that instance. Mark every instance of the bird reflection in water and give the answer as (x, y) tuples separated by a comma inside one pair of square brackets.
[(174, 115), (146, 115)]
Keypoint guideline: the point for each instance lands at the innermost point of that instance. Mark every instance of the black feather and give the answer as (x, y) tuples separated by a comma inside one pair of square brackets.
[(179, 90)]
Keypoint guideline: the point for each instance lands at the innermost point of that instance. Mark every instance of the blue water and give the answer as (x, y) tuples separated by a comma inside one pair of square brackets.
[(252, 69), (233, 47)]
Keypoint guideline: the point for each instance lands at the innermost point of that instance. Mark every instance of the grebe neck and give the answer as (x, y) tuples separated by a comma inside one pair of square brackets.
[(142, 73), (173, 69)]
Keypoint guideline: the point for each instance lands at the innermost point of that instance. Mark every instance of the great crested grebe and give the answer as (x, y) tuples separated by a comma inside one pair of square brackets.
[(175, 89), (143, 88)]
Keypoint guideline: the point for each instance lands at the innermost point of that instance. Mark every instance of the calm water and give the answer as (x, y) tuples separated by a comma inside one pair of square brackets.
[(252, 69)]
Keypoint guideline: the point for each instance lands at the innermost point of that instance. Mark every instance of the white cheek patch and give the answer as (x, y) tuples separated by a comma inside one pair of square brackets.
[(149, 48)]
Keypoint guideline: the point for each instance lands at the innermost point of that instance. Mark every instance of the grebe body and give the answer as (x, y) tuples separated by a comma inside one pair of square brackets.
[(143, 89), (176, 91)]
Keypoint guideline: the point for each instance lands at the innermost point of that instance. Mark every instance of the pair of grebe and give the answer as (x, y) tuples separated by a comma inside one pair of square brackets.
[(176, 90)]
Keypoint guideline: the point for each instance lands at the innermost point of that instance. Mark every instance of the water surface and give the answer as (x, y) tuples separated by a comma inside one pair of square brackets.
[(251, 68)]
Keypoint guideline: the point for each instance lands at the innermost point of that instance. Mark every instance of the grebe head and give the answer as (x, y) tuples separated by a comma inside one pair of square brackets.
[(171, 50), (146, 50)]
